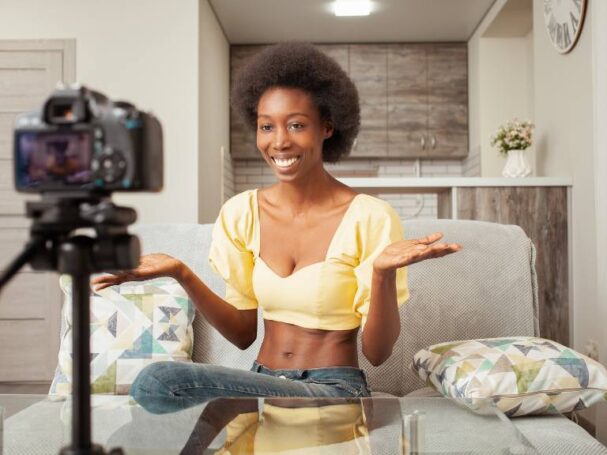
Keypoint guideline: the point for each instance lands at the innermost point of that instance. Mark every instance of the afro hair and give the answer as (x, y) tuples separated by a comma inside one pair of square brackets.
[(305, 67)]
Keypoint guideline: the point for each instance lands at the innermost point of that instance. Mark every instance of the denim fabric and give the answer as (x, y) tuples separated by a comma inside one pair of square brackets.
[(169, 386)]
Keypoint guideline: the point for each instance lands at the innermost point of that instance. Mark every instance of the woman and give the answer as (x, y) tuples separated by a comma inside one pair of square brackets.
[(320, 259)]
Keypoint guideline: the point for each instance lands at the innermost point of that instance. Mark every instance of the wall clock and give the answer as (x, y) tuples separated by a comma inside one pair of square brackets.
[(564, 20)]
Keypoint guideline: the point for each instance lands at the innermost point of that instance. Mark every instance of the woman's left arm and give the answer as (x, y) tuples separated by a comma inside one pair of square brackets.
[(383, 322)]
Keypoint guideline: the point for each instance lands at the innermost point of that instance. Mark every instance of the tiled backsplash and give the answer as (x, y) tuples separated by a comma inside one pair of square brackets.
[(243, 175)]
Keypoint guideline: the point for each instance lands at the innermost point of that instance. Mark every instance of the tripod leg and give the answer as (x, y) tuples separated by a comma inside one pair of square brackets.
[(75, 259), (81, 384), (30, 250)]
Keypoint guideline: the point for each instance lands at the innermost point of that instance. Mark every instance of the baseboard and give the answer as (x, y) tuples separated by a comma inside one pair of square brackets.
[(25, 388)]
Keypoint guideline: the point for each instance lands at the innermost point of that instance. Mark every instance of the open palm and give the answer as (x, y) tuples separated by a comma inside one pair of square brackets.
[(410, 251), (150, 266)]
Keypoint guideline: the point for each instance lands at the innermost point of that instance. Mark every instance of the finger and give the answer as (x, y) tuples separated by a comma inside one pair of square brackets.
[(437, 251), (103, 278), (431, 238), (99, 287)]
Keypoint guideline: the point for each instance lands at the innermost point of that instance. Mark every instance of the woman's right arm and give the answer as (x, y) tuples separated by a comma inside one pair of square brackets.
[(237, 326)]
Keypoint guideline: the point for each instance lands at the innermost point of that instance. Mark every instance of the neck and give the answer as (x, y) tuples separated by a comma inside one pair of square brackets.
[(302, 194)]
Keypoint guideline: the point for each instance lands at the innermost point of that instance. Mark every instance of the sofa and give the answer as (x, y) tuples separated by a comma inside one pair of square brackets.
[(489, 289)]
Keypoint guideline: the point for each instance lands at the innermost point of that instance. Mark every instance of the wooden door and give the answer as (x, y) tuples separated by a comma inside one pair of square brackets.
[(29, 305)]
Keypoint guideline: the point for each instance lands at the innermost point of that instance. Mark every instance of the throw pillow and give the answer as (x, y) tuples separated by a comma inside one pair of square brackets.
[(132, 325), (522, 375)]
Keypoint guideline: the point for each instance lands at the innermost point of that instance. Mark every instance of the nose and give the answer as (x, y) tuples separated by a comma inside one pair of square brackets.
[(281, 139)]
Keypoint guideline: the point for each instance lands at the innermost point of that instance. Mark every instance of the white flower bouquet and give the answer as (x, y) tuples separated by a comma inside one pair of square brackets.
[(514, 135)]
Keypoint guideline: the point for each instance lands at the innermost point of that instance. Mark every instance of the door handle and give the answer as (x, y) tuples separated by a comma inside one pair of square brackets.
[(433, 141), (423, 142)]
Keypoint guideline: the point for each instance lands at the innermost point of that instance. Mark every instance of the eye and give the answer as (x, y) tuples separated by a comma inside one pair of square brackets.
[(296, 126), (265, 127)]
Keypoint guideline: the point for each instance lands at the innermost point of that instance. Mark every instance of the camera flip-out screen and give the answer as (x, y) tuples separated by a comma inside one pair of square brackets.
[(57, 158)]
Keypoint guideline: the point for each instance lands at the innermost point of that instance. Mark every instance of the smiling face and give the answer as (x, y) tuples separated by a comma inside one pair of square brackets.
[(290, 132)]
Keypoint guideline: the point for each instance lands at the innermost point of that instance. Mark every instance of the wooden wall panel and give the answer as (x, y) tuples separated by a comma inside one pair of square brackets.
[(542, 213)]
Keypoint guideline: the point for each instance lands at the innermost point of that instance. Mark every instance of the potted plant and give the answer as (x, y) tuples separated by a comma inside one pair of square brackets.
[(512, 139)]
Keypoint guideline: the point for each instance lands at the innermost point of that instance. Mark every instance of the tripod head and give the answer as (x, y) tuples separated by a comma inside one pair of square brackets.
[(52, 237), (56, 219)]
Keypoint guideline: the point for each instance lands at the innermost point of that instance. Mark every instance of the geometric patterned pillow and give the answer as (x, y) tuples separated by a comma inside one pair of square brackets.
[(521, 375), (132, 325)]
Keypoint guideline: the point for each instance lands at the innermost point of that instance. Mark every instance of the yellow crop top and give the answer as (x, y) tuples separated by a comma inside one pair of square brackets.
[(331, 295)]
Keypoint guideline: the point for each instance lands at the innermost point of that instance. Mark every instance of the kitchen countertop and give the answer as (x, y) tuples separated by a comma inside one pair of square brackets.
[(443, 184)]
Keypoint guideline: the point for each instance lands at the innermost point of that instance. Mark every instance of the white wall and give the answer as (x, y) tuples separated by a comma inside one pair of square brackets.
[(505, 75), (564, 116), (144, 51), (500, 81), (599, 44), (563, 99), (474, 85), (214, 126), (599, 37)]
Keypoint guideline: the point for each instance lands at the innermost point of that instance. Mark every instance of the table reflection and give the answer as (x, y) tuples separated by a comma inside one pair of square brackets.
[(294, 426)]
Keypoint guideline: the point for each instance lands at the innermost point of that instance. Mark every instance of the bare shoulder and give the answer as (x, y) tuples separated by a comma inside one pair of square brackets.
[(343, 194)]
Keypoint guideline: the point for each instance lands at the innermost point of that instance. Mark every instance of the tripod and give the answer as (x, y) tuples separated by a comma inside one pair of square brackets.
[(53, 246)]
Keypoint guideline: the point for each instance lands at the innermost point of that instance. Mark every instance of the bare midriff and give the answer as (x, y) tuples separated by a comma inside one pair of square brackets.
[(287, 346)]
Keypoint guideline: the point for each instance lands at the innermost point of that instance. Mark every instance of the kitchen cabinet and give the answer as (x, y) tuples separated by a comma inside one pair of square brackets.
[(369, 72), (242, 138), (413, 99), (427, 101)]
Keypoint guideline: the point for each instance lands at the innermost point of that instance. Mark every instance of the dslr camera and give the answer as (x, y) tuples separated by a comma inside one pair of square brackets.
[(83, 144)]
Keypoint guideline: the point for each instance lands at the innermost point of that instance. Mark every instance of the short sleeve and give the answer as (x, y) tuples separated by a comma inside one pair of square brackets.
[(382, 228), (230, 255)]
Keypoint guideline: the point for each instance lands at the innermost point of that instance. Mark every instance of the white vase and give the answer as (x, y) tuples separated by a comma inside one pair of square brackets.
[(516, 164)]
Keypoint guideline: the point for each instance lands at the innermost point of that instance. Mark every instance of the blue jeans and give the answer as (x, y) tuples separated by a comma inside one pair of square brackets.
[(169, 386)]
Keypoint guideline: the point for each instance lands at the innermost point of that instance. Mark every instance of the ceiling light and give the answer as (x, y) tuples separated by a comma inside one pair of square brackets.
[(352, 7)]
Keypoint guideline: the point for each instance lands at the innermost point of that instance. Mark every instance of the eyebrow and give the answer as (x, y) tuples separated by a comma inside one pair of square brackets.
[(290, 115)]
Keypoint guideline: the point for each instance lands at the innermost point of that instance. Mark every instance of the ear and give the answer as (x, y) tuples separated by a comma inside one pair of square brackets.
[(328, 130)]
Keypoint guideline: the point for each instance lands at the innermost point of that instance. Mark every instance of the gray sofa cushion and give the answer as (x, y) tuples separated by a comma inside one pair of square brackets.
[(486, 290)]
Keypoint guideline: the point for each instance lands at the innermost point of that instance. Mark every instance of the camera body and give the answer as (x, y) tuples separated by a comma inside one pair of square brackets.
[(81, 143)]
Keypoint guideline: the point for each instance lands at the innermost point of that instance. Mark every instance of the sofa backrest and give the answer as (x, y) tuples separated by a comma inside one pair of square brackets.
[(488, 289)]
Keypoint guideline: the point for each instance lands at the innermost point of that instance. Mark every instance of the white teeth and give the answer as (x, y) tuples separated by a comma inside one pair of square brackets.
[(285, 163)]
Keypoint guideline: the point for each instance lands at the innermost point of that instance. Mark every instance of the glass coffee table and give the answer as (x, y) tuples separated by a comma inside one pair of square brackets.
[(385, 425)]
